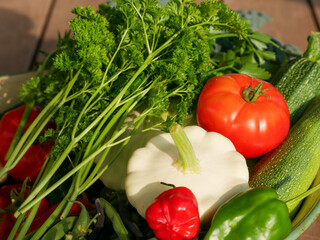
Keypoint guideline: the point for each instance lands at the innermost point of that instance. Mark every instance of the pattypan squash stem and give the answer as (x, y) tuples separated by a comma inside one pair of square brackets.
[(187, 161)]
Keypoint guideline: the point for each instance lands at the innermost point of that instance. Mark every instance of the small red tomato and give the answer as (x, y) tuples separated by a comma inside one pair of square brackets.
[(31, 163), (75, 210), (174, 215), (6, 223), (15, 193), (251, 113)]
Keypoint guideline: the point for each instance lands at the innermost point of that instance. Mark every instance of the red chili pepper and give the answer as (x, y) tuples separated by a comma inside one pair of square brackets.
[(174, 215), (31, 163)]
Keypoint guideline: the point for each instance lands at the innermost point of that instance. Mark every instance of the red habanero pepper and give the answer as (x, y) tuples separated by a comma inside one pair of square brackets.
[(174, 215)]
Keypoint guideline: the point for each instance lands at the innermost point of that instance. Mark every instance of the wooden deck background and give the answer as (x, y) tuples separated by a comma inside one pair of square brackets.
[(27, 26)]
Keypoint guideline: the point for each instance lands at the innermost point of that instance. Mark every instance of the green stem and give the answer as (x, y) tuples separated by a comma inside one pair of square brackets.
[(101, 86), (36, 127), (27, 139), (82, 175), (187, 161), (143, 26), (84, 172), (45, 226), (292, 202), (98, 171), (20, 129), (29, 201), (27, 223), (16, 227), (313, 49), (250, 94)]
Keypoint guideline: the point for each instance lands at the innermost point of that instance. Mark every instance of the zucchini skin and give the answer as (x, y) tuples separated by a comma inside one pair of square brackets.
[(291, 168), (299, 85)]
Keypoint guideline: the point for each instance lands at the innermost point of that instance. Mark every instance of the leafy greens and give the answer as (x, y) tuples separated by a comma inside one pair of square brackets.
[(136, 55)]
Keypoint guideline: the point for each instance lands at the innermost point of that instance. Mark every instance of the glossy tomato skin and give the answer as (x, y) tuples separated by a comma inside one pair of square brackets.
[(31, 163), (6, 224), (255, 128), (75, 210), (6, 190)]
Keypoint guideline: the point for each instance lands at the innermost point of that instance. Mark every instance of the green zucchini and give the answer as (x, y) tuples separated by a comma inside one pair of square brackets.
[(291, 168), (313, 51), (299, 85), (300, 79)]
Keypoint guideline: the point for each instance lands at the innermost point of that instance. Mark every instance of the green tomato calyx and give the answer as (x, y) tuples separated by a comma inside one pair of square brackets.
[(250, 94)]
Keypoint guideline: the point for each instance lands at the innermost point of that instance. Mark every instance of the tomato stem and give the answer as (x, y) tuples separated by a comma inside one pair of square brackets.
[(250, 94)]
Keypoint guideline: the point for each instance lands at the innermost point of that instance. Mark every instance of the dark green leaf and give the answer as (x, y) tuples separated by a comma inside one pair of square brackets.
[(117, 223), (255, 71), (81, 225), (61, 228)]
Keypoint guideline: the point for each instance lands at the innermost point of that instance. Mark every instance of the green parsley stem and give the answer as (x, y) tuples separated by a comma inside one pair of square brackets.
[(20, 129)]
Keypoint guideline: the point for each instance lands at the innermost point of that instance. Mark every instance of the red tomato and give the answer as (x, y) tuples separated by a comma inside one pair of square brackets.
[(6, 224), (5, 191), (31, 163), (254, 128), (75, 210)]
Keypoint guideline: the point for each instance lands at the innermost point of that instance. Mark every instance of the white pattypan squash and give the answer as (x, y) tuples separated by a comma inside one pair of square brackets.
[(114, 177), (205, 162)]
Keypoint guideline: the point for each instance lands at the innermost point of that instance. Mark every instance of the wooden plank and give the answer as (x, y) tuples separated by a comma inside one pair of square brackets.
[(9, 89), (313, 232), (291, 23), (316, 8), (59, 20), (21, 25)]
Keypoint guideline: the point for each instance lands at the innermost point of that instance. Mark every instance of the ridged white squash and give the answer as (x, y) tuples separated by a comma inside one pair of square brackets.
[(217, 173)]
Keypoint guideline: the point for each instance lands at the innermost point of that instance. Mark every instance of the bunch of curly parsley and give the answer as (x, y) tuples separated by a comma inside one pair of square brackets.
[(137, 55)]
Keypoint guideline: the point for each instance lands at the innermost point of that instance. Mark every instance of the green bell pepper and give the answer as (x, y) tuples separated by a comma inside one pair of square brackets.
[(256, 213)]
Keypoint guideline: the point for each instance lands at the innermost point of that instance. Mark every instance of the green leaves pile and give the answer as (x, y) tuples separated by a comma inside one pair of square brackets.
[(135, 56)]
